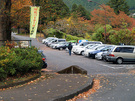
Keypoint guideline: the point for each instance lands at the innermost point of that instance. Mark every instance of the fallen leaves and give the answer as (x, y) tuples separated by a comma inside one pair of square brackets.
[(95, 87)]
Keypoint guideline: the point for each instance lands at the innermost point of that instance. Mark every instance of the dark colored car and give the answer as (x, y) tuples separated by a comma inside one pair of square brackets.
[(43, 58), (102, 49), (62, 46)]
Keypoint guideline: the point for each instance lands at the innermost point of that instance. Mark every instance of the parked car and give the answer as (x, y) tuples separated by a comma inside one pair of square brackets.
[(54, 45), (45, 40), (100, 49), (50, 40), (121, 53), (82, 44), (80, 50), (55, 41), (87, 50), (103, 52), (62, 45), (43, 58)]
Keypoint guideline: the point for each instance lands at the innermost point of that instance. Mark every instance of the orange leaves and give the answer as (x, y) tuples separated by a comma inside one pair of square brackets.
[(107, 15), (20, 11), (96, 86)]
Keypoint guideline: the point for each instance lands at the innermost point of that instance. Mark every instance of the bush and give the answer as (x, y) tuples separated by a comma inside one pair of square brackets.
[(54, 32), (18, 61), (70, 37)]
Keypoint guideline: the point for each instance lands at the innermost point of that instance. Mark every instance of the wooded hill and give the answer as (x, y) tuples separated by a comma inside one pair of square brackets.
[(91, 5)]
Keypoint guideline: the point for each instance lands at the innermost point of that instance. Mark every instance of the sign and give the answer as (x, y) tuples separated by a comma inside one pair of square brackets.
[(34, 17)]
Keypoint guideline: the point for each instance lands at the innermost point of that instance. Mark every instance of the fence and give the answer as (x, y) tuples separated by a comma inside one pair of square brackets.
[(16, 43)]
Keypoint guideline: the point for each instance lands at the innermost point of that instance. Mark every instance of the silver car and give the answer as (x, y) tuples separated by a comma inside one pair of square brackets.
[(120, 54)]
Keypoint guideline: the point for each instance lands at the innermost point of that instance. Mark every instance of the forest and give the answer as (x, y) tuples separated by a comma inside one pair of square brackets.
[(108, 24), (92, 6)]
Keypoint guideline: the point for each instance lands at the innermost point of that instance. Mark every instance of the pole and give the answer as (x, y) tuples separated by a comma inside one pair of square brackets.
[(105, 15)]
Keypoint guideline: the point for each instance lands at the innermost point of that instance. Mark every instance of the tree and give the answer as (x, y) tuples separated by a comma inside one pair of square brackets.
[(51, 10), (99, 34), (122, 36), (5, 19), (81, 11), (119, 5), (21, 14), (74, 8), (99, 17)]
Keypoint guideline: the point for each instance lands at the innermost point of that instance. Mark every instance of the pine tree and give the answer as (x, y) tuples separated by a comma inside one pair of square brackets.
[(51, 10), (119, 5), (74, 8), (81, 11)]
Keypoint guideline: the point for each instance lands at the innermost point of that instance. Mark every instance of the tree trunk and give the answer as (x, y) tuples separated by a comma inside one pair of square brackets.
[(5, 21)]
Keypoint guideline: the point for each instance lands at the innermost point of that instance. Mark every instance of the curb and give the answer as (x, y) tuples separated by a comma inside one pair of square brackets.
[(74, 93), (21, 82)]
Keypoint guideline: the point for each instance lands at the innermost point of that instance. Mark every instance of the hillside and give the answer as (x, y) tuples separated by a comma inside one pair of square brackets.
[(90, 5)]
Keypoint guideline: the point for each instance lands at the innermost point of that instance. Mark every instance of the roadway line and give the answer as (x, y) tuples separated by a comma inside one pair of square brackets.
[(107, 66), (119, 67)]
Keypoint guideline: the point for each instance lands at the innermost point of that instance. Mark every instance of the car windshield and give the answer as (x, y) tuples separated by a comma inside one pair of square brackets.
[(99, 47), (107, 48), (61, 43), (92, 47)]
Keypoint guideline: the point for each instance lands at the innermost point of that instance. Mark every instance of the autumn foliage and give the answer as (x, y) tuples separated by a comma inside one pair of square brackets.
[(20, 12), (107, 15)]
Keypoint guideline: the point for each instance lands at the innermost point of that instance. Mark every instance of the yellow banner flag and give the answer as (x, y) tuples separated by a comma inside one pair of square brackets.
[(34, 17)]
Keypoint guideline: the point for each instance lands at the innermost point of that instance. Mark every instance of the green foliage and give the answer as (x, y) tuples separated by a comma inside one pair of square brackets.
[(51, 10), (99, 34), (91, 5), (122, 36), (74, 8), (54, 32), (59, 34), (70, 37), (87, 36), (119, 5), (18, 61), (81, 11)]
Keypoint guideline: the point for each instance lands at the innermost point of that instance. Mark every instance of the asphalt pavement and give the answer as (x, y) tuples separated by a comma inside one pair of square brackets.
[(117, 81), (59, 87)]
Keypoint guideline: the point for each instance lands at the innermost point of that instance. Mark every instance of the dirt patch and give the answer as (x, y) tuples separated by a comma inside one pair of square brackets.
[(95, 87), (132, 71)]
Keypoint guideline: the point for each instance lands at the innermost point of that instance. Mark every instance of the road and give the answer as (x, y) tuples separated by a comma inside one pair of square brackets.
[(117, 81)]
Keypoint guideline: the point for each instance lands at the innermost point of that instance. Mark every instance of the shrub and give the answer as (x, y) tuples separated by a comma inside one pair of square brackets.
[(18, 61), (54, 32)]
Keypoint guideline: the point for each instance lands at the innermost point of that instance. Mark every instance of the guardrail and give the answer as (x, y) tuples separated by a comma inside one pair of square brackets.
[(16, 43)]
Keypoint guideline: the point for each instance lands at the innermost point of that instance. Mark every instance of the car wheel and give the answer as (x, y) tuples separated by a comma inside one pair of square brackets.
[(60, 48), (81, 52), (119, 61)]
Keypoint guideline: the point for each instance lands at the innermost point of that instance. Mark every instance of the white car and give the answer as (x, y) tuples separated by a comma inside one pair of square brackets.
[(44, 40), (80, 50), (57, 44), (82, 44), (95, 47)]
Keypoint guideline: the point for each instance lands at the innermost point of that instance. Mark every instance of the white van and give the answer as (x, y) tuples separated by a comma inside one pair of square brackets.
[(48, 38), (56, 41)]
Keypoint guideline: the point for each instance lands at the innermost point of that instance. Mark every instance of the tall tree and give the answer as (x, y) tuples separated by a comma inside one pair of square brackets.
[(51, 10), (98, 16), (74, 8), (5, 19), (119, 5), (81, 11), (21, 13)]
